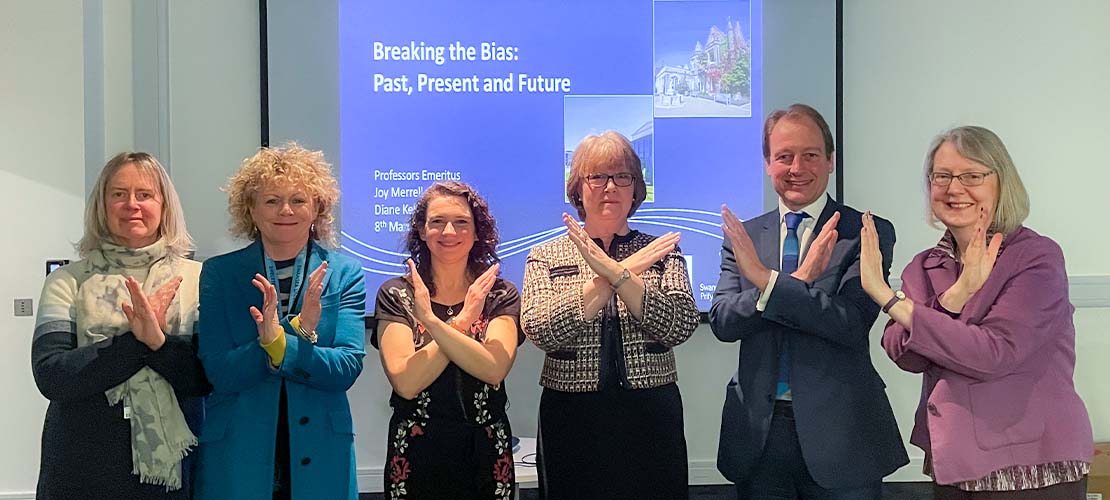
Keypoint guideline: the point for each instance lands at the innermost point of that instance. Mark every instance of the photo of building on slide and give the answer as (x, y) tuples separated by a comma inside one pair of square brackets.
[(702, 69), (630, 115)]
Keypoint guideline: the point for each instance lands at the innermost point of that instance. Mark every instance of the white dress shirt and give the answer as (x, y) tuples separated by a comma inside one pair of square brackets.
[(806, 229)]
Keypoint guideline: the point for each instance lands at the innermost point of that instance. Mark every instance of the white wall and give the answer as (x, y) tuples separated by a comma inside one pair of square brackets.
[(912, 68), (1034, 73), (42, 188), (213, 109)]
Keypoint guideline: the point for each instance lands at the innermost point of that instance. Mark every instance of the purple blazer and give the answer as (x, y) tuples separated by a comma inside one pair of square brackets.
[(997, 388)]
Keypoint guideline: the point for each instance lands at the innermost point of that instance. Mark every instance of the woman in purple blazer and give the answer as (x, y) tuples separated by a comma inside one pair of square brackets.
[(985, 317)]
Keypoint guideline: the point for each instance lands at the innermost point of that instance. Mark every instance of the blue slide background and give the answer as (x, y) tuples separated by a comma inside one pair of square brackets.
[(510, 146)]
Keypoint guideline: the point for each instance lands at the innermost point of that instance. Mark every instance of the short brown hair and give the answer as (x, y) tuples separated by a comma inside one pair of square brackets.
[(289, 163), (597, 150), (794, 112)]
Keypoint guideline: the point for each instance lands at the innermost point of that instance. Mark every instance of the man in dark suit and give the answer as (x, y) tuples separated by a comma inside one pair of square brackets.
[(806, 415)]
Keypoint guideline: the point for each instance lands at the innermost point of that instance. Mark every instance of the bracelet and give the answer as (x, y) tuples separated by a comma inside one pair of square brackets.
[(311, 337), (458, 326)]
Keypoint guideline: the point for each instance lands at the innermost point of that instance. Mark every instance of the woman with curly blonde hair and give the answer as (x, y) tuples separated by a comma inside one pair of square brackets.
[(281, 338)]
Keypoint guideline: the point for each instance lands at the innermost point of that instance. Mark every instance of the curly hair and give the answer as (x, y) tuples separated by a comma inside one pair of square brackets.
[(482, 255), (288, 164)]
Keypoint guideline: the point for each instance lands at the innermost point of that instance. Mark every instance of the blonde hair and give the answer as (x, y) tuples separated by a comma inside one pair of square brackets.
[(171, 227), (288, 164), (593, 153), (982, 146)]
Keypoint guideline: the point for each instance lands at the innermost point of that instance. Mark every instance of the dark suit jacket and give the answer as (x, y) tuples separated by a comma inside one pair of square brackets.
[(845, 426)]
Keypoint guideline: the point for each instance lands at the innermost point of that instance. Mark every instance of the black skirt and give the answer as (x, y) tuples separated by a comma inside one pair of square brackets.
[(444, 459), (613, 444)]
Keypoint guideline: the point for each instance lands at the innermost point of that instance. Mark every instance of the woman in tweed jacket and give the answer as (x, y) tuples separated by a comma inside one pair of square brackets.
[(608, 304)]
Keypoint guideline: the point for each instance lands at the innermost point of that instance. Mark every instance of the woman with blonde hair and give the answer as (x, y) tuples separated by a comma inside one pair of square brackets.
[(113, 348), (281, 338)]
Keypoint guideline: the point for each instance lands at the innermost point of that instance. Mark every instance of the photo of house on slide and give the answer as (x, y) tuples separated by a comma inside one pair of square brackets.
[(702, 59), (630, 115)]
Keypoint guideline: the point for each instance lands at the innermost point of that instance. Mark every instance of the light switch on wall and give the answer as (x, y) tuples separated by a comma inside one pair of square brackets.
[(24, 307)]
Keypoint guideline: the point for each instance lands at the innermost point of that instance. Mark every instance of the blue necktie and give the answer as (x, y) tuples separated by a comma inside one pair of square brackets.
[(790, 251)]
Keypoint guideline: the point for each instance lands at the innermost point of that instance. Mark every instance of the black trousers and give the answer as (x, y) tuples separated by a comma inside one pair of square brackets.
[(782, 475)]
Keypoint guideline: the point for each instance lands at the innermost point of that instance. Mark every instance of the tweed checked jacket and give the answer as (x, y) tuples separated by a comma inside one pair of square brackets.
[(553, 316)]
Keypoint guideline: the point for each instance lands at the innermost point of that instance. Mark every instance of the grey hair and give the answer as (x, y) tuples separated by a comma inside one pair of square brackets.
[(982, 146), (171, 228)]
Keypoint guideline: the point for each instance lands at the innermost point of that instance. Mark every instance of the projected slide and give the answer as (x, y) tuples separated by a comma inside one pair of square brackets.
[(498, 94)]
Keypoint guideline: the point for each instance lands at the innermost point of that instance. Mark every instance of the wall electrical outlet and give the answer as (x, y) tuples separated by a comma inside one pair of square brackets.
[(24, 307)]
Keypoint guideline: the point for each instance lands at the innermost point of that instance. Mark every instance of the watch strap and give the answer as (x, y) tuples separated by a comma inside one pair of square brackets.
[(898, 296)]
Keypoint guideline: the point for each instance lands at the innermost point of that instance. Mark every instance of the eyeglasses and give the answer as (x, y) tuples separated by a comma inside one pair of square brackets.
[(601, 180), (969, 179)]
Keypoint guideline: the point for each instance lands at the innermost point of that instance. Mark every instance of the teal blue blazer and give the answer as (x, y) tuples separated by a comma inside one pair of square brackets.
[(236, 452)]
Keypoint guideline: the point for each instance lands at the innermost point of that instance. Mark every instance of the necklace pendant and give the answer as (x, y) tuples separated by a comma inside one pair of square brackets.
[(451, 310)]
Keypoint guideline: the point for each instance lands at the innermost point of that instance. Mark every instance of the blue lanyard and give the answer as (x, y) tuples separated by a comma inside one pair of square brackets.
[(300, 275)]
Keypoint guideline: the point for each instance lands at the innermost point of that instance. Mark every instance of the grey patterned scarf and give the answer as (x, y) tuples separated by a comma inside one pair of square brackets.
[(160, 436)]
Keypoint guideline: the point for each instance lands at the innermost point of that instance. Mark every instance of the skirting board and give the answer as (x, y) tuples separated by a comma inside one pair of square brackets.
[(702, 472), (30, 495)]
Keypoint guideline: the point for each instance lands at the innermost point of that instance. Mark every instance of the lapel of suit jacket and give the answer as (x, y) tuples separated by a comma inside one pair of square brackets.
[(249, 262), (831, 207), (769, 246), (315, 257), (941, 272), (253, 261)]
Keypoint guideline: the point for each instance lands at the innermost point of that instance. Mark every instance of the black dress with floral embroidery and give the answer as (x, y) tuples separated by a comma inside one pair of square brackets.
[(453, 439)]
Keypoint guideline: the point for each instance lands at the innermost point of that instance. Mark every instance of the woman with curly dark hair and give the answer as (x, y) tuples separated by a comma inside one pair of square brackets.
[(448, 333)]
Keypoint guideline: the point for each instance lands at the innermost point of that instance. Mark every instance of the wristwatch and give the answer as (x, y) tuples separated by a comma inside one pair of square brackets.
[(898, 296), (625, 275)]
